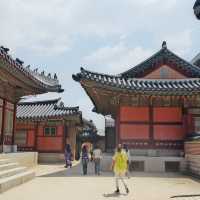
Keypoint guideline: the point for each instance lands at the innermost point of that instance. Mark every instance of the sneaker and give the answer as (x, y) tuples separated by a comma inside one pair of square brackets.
[(127, 190), (117, 191)]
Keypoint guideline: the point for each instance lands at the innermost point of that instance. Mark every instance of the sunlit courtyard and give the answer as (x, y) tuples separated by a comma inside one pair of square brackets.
[(55, 182)]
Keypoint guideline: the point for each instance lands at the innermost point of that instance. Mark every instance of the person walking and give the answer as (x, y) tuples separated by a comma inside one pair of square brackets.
[(97, 155), (68, 156), (125, 147), (119, 166), (84, 159)]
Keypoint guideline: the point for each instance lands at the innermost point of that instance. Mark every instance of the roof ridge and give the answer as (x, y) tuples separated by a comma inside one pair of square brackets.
[(195, 67), (146, 60), (40, 79), (56, 107), (98, 73), (164, 80), (163, 51), (195, 59), (40, 102)]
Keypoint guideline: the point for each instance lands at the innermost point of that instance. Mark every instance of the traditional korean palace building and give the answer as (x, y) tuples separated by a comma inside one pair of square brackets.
[(17, 81), (155, 104), (46, 127)]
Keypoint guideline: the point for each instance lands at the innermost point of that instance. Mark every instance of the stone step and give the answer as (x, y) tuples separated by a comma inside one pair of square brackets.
[(5, 161), (8, 166), (12, 181), (11, 172)]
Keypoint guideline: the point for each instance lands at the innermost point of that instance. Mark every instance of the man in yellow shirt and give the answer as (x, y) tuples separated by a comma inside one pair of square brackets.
[(120, 166)]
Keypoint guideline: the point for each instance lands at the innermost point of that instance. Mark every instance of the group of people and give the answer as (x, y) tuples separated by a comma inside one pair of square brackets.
[(86, 156), (120, 162), (93, 156)]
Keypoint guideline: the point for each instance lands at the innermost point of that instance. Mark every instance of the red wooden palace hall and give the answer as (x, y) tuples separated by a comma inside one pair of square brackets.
[(46, 127), (16, 81), (155, 104)]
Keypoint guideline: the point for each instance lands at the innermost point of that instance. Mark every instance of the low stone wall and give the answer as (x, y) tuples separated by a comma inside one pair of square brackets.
[(192, 157), (151, 164), (27, 159)]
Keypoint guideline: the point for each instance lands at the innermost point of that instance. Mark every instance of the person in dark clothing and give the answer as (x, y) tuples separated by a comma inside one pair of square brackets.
[(84, 159), (68, 156)]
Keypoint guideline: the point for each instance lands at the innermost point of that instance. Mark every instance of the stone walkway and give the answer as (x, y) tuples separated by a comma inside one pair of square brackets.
[(53, 182)]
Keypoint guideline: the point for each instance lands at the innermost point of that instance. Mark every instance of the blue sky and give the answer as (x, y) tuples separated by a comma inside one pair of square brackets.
[(107, 36)]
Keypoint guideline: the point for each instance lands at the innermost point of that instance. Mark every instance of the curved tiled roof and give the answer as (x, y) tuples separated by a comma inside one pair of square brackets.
[(161, 86), (131, 81), (43, 82), (196, 60), (164, 56), (44, 109)]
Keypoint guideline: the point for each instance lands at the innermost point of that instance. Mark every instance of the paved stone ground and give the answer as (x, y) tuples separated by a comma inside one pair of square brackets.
[(53, 182)]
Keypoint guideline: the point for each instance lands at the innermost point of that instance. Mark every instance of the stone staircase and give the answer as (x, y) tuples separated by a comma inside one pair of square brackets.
[(12, 174)]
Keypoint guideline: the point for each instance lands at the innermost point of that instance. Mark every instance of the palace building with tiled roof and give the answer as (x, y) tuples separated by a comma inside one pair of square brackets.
[(47, 126), (17, 80), (155, 104)]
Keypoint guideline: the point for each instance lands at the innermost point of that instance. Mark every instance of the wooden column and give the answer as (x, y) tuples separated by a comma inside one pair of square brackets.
[(65, 133), (3, 122), (117, 127), (151, 128), (71, 139), (36, 135), (14, 120)]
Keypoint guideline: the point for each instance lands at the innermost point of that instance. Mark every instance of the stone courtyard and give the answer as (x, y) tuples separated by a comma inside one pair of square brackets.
[(55, 182)]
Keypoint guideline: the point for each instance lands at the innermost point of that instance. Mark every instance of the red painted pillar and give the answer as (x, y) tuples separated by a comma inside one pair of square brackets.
[(14, 121), (117, 127), (3, 123)]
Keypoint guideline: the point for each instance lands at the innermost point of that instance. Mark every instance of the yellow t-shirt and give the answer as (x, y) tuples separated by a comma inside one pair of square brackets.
[(120, 166)]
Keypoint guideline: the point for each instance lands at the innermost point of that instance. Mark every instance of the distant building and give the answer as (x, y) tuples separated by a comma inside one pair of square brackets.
[(89, 135), (46, 127), (16, 81)]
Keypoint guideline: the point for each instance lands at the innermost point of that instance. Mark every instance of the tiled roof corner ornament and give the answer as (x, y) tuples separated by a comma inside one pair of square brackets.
[(61, 104), (35, 70), (196, 9), (164, 45), (49, 75), (19, 61), (44, 83), (55, 77), (28, 67), (42, 73), (6, 50)]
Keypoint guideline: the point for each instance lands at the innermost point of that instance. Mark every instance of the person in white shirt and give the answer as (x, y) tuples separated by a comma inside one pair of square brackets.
[(97, 154)]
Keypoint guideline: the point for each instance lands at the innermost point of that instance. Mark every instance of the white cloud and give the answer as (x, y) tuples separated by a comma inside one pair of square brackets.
[(49, 27), (117, 58), (180, 42), (163, 5)]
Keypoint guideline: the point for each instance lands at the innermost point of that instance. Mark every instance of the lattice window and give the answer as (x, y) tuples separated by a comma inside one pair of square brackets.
[(21, 137), (50, 131)]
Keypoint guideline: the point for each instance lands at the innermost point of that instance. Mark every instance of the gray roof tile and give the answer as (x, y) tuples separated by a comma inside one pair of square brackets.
[(44, 109)]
